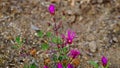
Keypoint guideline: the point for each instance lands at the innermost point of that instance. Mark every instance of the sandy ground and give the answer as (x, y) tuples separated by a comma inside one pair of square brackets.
[(96, 22)]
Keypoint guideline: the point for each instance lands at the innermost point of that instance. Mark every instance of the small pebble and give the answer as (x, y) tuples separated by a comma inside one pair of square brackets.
[(34, 27), (115, 39), (93, 46), (99, 1)]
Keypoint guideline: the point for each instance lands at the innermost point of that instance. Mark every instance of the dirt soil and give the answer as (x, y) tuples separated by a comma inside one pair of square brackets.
[(96, 22)]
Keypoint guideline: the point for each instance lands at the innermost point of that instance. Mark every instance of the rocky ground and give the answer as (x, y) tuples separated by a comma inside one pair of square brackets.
[(96, 22)]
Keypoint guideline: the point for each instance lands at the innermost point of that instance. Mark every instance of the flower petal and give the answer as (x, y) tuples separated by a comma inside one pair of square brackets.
[(59, 65), (45, 66), (104, 61), (69, 33), (70, 66), (73, 35), (52, 9), (74, 53)]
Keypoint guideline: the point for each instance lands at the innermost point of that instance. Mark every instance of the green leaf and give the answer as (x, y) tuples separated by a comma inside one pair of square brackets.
[(44, 46), (65, 49), (65, 56), (60, 51), (60, 58), (33, 65), (40, 33), (56, 40), (54, 57), (108, 64), (14, 46), (56, 48), (94, 64), (48, 34), (18, 40), (26, 66), (64, 65), (59, 40), (63, 17)]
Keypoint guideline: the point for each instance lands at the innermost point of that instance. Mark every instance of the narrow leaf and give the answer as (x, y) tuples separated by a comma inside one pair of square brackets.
[(94, 64), (60, 58), (33, 65), (14, 46), (59, 40), (26, 66), (108, 64), (48, 34), (56, 40), (44, 46), (18, 40), (65, 49), (40, 33), (65, 57), (54, 58)]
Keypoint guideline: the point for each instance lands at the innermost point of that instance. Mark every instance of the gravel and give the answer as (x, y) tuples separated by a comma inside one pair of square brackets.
[(96, 23)]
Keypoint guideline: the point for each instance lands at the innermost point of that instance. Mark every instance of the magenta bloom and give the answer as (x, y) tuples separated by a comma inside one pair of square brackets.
[(70, 36), (70, 66), (51, 9), (45, 66), (74, 53), (104, 61), (59, 65)]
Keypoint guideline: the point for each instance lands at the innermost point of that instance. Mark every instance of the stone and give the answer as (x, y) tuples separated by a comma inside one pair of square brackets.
[(99, 1), (115, 39), (54, 1), (90, 37), (72, 18), (93, 46), (72, 2), (69, 12)]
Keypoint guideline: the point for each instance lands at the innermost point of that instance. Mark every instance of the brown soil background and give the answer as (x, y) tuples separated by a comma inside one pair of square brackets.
[(96, 22)]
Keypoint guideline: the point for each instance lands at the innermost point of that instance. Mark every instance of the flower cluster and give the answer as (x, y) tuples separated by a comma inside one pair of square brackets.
[(72, 57), (62, 55), (65, 40)]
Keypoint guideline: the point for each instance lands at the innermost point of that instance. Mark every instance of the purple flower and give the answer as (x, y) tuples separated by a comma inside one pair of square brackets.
[(70, 36), (104, 61), (74, 53), (59, 65), (45, 66), (70, 66), (51, 9)]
